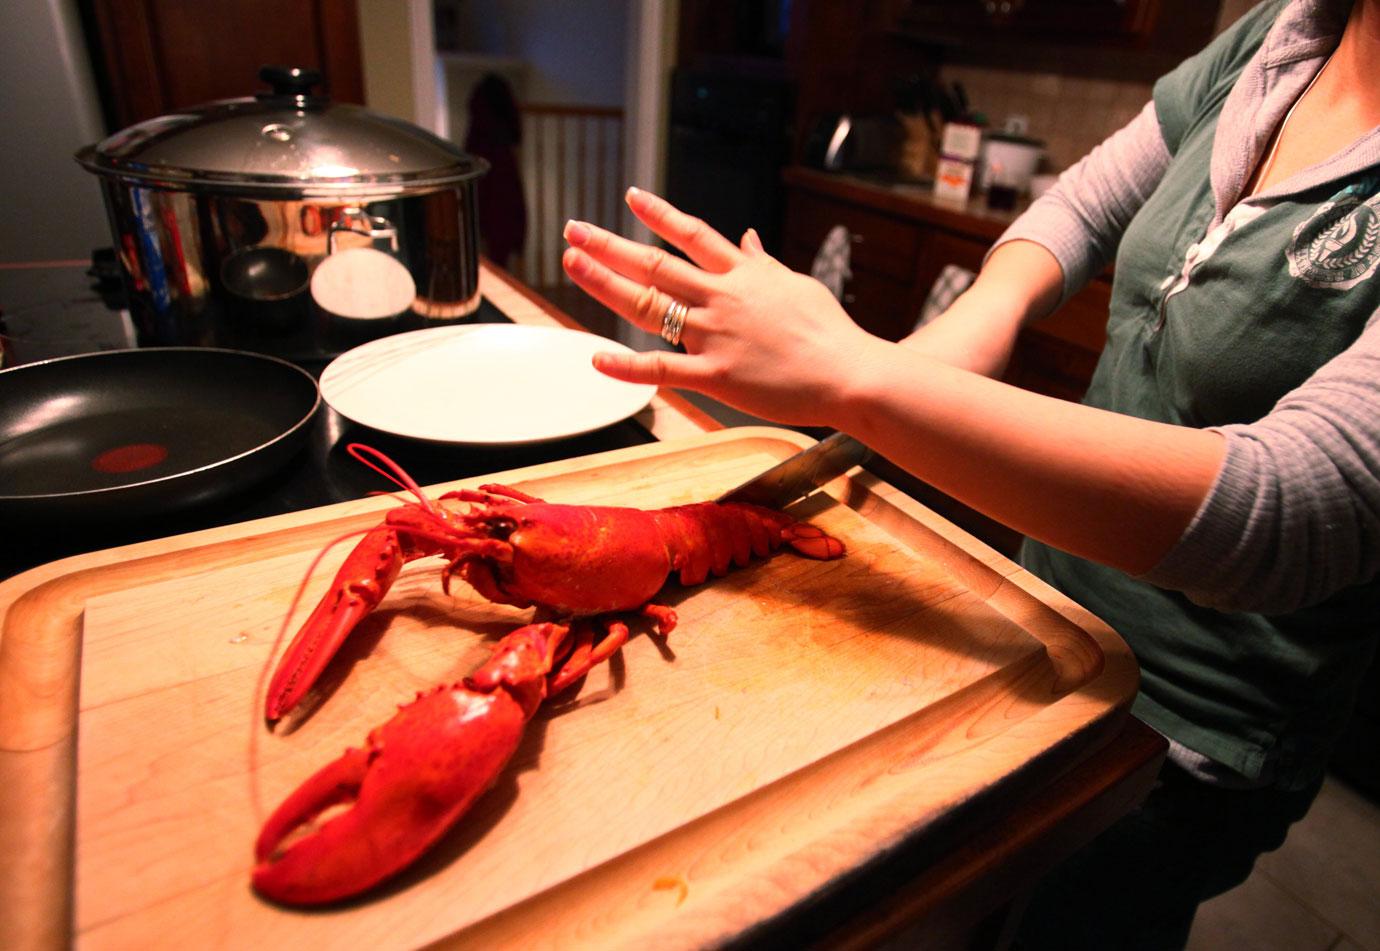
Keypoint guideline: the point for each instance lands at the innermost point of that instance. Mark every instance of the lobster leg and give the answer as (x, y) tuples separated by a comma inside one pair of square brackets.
[(587, 655), (492, 494)]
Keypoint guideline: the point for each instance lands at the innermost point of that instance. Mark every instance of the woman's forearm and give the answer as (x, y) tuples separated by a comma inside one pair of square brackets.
[(1020, 281), (774, 343), (1107, 487)]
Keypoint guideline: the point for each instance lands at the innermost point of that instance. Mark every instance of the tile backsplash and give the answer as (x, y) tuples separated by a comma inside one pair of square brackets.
[(1069, 114)]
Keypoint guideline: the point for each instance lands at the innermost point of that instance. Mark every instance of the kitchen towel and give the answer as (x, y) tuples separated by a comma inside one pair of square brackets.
[(831, 266), (952, 281)]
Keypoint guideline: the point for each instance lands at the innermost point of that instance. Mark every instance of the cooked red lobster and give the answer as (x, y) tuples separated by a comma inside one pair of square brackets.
[(420, 771)]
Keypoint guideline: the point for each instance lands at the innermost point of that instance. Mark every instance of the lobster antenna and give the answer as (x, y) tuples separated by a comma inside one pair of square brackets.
[(255, 793), (390, 470)]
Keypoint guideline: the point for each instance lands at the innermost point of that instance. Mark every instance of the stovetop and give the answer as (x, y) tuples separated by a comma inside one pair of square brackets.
[(62, 312)]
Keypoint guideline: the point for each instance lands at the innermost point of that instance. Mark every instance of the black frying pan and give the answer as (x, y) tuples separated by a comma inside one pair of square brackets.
[(126, 433)]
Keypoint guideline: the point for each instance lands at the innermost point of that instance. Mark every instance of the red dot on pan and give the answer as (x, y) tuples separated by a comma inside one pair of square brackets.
[(130, 458)]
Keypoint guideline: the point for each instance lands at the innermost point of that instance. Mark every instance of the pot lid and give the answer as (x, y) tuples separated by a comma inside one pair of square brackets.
[(287, 141)]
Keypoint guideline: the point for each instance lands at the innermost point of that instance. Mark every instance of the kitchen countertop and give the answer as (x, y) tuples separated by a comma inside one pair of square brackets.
[(909, 199), (959, 893)]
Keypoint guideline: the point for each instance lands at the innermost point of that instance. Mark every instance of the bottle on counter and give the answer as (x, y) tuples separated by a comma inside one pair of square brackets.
[(959, 148)]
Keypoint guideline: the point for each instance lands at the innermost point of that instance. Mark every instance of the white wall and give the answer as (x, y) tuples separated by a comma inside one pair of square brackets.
[(651, 54), (385, 41), (48, 110), (397, 50)]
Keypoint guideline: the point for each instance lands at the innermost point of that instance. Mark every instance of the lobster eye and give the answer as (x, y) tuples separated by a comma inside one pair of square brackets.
[(501, 527)]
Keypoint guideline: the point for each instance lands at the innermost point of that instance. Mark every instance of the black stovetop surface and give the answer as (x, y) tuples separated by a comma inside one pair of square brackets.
[(321, 473)]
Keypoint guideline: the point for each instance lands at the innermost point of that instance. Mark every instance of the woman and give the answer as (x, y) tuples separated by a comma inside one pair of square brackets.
[(1216, 498)]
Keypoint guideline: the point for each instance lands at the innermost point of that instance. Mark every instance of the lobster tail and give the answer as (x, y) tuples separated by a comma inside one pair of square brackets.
[(811, 541), (710, 538)]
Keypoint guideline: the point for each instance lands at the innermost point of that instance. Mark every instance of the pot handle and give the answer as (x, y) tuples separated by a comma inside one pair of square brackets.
[(358, 221)]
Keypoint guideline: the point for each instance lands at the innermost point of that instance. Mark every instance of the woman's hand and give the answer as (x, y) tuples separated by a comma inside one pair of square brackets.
[(1112, 488), (757, 336)]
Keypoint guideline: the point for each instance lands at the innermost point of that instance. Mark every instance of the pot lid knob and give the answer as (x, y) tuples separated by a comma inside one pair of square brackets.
[(291, 83)]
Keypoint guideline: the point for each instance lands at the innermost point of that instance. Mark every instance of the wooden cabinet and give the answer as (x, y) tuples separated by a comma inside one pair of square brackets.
[(1057, 355), (902, 239), (1126, 39), (1067, 19), (884, 250), (156, 56)]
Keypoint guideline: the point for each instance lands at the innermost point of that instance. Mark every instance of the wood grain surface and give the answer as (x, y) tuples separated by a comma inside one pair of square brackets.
[(803, 717)]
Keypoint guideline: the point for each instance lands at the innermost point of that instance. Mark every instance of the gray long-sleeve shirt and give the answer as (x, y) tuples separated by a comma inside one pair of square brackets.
[(1295, 515), (1258, 317)]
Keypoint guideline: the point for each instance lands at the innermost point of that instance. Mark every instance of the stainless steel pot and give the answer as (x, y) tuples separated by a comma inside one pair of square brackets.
[(222, 216)]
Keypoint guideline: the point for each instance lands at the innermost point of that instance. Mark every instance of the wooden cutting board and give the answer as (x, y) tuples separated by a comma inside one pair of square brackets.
[(803, 717)]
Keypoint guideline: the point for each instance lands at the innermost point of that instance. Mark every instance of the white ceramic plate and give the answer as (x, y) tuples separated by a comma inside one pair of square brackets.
[(481, 384)]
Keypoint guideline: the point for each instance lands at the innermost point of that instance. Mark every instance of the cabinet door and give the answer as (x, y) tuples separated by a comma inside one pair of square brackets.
[(1119, 39), (881, 294), (156, 56), (941, 249), (1055, 355)]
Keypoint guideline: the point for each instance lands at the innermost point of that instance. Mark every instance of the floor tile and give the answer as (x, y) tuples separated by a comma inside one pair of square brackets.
[(1261, 916), (1331, 863), (1319, 892)]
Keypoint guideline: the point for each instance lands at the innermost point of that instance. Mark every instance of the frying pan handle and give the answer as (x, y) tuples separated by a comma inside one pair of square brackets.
[(357, 221)]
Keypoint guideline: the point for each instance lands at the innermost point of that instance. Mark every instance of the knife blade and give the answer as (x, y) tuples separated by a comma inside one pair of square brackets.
[(796, 477)]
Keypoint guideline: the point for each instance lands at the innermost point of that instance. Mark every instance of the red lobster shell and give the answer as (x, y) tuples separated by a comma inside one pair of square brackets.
[(421, 771)]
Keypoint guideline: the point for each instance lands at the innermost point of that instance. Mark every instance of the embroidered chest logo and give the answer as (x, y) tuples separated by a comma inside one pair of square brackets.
[(1339, 246)]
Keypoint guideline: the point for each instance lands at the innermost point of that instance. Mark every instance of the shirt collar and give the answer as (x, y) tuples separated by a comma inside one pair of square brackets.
[(1294, 49)]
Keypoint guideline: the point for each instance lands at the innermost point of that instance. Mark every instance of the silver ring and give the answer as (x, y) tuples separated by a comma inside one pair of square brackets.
[(673, 321)]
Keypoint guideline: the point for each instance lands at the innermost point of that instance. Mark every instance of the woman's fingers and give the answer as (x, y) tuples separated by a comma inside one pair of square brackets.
[(644, 264), (705, 246), (641, 305), (658, 367)]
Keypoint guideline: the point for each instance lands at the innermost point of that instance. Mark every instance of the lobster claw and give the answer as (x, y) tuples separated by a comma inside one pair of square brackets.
[(415, 777), (357, 589), (418, 774)]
